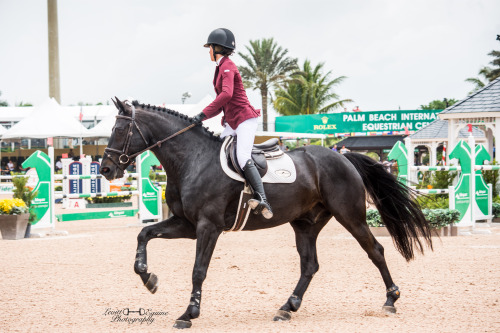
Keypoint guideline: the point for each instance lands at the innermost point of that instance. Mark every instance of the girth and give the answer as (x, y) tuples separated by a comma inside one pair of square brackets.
[(260, 154)]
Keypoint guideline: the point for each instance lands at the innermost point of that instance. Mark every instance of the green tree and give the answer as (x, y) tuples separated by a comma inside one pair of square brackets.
[(488, 73), (310, 92), (3, 103), (22, 104), (477, 81), (438, 104), (267, 66)]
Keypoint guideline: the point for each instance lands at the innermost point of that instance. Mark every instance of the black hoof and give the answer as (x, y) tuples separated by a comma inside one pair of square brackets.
[(282, 316), (181, 324), (389, 309), (152, 283)]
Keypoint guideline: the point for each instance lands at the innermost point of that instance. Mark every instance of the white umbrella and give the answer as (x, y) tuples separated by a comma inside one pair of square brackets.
[(46, 121)]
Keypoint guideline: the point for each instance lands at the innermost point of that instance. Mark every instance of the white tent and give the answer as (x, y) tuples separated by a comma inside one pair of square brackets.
[(2, 130), (46, 121), (104, 128)]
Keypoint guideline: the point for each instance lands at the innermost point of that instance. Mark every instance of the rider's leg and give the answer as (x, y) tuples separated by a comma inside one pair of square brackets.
[(245, 132), (227, 131), (259, 202)]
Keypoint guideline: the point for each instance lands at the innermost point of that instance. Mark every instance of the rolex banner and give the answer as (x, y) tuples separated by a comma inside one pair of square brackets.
[(358, 123)]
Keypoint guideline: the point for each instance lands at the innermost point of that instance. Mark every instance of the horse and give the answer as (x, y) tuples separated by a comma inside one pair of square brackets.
[(204, 201)]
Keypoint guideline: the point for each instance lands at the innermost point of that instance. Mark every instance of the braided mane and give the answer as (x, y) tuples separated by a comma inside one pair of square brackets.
[(153, 108)]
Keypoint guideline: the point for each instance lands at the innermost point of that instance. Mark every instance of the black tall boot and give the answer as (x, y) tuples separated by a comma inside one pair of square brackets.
[(259, 202)]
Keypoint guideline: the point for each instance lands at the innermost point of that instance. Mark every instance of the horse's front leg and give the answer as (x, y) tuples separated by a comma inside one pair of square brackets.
[(206, 238), (174, 227)]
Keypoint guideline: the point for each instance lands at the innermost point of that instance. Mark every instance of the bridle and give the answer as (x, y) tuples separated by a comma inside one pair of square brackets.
[(123, 157)]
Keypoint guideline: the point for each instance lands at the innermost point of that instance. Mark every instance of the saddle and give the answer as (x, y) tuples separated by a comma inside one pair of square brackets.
[(262, 152)]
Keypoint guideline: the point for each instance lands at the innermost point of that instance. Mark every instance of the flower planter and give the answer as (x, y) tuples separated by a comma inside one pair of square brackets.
[(109, 205), (13, 226)]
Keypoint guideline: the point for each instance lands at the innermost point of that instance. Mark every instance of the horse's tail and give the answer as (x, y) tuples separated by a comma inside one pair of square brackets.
[(400, 213)]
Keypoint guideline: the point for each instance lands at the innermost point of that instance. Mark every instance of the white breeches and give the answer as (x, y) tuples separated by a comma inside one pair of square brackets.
[(245, 132)]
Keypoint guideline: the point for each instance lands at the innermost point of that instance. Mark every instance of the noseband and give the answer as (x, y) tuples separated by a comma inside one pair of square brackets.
[(123, 157)]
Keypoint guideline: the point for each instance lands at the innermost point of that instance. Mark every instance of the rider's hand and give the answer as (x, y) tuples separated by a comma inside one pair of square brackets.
[(199, 118)]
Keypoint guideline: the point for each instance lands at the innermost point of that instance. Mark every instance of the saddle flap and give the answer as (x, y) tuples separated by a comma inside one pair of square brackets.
[(258, 158), (280, 166)]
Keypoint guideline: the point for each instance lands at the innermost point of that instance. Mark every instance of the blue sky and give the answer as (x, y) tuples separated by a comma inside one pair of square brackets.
[(396, 54)]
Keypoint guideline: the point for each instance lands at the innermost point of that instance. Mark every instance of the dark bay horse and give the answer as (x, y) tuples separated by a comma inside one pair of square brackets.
[(204, 200)]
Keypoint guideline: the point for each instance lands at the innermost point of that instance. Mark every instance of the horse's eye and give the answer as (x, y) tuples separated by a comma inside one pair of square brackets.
[(120, 131)]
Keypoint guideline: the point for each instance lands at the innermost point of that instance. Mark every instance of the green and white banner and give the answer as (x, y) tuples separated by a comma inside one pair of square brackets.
[(358, 123), (150, 195), (43, 204)]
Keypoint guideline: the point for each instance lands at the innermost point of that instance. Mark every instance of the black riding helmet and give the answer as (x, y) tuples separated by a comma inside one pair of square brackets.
[(222, 37)]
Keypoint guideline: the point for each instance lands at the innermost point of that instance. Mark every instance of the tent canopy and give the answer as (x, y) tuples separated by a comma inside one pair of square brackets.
[(105, 126), (45, 121), (370, 142)]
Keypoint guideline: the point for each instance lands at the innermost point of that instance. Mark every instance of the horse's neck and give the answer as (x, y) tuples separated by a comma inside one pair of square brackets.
[(184, 153)]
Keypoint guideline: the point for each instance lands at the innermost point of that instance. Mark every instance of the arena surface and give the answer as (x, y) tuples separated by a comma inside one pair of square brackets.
[(76, 283)]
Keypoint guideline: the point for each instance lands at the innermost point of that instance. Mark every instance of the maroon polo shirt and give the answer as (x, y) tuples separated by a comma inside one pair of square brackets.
[(231, 96)]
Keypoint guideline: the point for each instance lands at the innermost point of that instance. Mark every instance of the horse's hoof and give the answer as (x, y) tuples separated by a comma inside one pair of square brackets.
[(152, 283), (282, 315), (389, 309), (181, 324)]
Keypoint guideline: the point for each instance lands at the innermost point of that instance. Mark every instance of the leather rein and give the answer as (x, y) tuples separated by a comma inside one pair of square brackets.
[(124, 158)]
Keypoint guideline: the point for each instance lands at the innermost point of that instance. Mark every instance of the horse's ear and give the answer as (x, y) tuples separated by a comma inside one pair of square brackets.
[(119, 105)]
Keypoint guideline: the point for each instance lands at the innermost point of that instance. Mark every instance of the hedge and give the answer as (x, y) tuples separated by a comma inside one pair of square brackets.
[(437, 218)]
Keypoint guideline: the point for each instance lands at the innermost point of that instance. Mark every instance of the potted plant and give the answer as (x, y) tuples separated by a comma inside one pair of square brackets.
[(13, 218), (375, 223), (21, 191)]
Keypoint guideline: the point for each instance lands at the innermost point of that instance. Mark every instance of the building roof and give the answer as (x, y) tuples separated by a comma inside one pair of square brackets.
[(485, 100), (438, 129), (370, 142)]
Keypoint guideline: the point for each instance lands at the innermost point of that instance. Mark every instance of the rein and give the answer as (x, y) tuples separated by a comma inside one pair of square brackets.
[(124, 158)]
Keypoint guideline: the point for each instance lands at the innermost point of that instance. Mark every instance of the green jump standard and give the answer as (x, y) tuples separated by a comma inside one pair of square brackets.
[(97, 215)]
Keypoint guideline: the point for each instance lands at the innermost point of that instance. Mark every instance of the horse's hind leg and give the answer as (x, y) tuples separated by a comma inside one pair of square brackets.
[(353, 218), (173, 227), (306, 233)]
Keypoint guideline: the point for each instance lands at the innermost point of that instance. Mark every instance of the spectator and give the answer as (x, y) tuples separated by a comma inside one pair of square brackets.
[(334, 148), (59, 165), (344, 150), (281, 145), (10, 166), (71, 154)]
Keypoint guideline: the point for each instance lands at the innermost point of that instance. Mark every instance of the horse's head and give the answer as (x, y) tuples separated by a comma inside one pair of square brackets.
[(126, 140)]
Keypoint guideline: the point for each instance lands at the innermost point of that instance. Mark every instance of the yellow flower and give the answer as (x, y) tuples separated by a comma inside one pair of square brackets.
[(6, 205)]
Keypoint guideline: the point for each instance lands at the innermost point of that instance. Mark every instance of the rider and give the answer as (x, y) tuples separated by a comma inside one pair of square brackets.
[(240, 118)]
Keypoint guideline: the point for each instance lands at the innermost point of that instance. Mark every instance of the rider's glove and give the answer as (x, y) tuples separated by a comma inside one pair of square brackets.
[(199, 118)]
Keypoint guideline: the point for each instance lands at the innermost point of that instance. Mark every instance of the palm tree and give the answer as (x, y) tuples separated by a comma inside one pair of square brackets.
[(310, 92), (267, 66), (488, 73), (2, 102), (477, 82)]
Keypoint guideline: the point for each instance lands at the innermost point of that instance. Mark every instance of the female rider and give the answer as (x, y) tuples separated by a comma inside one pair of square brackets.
[(240, 118)]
